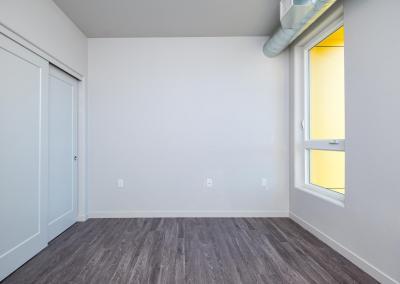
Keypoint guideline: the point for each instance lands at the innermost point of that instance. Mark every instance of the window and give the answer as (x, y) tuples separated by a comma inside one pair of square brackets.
[(324, 123)]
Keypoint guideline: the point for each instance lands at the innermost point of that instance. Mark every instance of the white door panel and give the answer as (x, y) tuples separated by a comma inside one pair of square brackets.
[(23, 155), (62, 206)]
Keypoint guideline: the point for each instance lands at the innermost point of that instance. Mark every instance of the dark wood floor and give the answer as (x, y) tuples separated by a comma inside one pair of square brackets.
[(214, 250)]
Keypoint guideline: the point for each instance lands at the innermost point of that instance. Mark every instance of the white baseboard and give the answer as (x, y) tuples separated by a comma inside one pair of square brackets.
[(81, 218), (350, 255), (187, 214)]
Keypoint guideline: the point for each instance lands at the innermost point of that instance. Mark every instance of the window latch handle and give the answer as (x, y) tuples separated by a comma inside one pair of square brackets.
[(334, 142)]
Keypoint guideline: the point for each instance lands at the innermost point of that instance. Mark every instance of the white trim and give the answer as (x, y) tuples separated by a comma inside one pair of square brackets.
[(11, 34), (332, 27), (307, 143), (82, 149), (81, 218), (330, 145), (187, 214), (347, 253), (323, 193)]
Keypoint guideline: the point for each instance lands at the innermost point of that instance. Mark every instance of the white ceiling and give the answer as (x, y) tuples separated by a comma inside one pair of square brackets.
[(167, 18)]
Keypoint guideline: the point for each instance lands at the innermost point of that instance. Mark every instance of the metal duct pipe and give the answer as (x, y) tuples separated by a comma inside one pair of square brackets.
[(300, 16)]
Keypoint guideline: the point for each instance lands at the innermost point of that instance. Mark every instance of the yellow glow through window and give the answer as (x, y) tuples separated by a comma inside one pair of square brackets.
[(327, 111)]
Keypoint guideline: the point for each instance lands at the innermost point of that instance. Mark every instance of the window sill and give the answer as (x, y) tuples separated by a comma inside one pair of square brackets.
[(332, 197)]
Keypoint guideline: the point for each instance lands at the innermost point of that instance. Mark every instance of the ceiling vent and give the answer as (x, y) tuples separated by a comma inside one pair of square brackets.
[(285, 7), (292, 12), (296, 16)]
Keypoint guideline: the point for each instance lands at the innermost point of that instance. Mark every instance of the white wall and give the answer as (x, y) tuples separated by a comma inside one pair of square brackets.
[(42, 23), (165, 113), (367, 229)]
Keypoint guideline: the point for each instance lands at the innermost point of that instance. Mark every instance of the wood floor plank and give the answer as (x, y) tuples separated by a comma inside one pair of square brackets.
[(188, 250)]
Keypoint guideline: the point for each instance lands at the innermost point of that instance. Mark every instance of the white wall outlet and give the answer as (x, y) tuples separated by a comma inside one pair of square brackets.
[(264, 183), (209, 182), (120, 183)]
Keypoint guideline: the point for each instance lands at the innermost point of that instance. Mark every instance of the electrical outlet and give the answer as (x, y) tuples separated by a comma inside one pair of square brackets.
[(120, 183), (264, 183), (209, 182)]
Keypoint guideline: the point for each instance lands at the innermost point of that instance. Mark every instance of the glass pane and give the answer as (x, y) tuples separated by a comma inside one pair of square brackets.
[(326, 61), (327, 169)]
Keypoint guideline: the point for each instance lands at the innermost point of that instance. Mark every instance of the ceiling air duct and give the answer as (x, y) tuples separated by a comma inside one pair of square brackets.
[(296, 16)]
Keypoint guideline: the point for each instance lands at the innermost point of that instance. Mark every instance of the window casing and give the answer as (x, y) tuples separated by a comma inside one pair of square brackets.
[(324, 113)]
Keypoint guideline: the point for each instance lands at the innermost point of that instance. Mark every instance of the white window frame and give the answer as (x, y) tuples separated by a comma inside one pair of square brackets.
[(330, 145), (302, 144)]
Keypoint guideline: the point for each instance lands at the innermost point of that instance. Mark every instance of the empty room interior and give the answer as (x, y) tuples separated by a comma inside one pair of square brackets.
[(199, 141)]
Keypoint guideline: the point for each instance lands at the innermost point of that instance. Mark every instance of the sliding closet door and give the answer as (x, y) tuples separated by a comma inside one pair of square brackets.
[(23, 155), (62, 209)]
